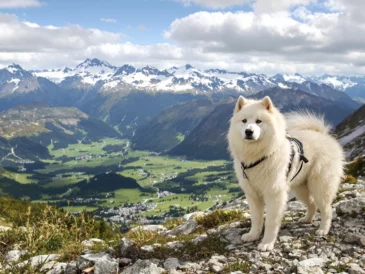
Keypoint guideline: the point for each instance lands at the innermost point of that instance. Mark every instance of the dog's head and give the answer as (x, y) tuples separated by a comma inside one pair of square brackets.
[(254, 120)]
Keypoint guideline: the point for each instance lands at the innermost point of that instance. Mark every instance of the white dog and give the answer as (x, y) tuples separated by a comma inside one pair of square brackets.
[(269, 165)]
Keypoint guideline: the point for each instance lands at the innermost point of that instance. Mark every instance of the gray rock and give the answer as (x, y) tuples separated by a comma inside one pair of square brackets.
[(175, 244), (144, 267), (350, 206), (4, 228), (199, 238), (14, 255), (233, 236), (150, 228), (296, 206), (194, 215), (185, 228), (40, 260), (148, 248), (125, 243), (91, 242), (61, 268), (125, 261), (353, 238), (355, 269), (171, 263), (311, 266), (102, 262)]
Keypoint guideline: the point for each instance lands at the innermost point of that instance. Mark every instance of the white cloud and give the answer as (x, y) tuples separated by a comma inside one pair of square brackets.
[(270, 6), (18, 36), (8, 4), (264, 41), (108, 20), (214, 4)]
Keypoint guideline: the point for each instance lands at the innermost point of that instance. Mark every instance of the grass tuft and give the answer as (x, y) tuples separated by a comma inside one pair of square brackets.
[(220, 217)]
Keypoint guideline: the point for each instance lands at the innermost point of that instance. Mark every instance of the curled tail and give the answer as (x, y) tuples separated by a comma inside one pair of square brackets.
[(306, 121)]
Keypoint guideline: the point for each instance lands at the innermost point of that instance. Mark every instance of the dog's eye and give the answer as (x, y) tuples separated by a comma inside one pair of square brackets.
[(258, 121), (244, 121)]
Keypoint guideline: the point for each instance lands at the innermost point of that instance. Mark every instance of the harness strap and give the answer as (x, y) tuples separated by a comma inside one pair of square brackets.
[(302, 159)]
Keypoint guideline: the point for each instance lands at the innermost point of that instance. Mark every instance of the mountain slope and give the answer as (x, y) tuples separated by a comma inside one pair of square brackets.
[(171, 126), (56, 125), (351, 133), (18, 86), (208, 139)]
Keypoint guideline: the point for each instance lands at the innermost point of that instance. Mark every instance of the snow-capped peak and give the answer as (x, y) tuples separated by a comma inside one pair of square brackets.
[(14, 68)]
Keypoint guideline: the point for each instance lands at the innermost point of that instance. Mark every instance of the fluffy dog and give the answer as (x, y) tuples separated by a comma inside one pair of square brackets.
[(266, 162)]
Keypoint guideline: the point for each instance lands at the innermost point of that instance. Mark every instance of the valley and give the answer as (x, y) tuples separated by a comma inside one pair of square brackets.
[(164, 186)]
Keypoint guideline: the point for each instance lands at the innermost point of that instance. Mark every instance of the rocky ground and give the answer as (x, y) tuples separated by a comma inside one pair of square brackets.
[(210, 242)]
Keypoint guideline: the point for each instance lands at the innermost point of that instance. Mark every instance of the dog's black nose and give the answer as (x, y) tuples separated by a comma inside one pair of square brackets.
[(249, 132)]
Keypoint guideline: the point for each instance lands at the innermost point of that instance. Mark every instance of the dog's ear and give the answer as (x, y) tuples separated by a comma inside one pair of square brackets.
[(241, 102), (267, 103)]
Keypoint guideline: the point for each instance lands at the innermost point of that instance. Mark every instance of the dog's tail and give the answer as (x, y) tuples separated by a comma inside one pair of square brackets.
[(307, 121)]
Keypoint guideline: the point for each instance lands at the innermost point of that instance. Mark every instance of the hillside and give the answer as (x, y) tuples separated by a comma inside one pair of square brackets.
[(351, 133), (171, 126), (52, 125), (201, 242), (208, 139)]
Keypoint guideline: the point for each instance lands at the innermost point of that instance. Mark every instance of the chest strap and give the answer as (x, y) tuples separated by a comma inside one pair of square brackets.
[(302, 159)]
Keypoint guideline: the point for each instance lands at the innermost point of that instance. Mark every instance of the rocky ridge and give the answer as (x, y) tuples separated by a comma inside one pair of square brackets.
[(210, 242)]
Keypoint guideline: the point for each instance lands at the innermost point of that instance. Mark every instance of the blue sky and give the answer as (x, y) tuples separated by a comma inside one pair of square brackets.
[(142, 21), (261, 36)]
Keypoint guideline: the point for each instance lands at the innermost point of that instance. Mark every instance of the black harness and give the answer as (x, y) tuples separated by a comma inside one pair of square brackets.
[(302, 159)]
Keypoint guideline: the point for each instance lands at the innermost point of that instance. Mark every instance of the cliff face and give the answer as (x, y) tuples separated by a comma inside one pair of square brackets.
[(210, 242)]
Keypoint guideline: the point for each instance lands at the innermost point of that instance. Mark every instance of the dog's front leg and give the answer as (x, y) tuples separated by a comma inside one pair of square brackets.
[(275, 207), (256, 205)]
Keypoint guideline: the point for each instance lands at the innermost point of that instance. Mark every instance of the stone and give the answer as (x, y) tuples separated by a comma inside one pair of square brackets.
[(171, 263), (125, 244), (175, 244), (199, 238), (144, 267), (355, 205), (4, 228), (194, 215), (355, 269), (14, 255), (233, 236), (91, 242), (40, 260), (125, 261), (150, 228), (61, 268), (311, 266), (148, 248), (353, 238), (296, 206), (102, 262), (185, 228)]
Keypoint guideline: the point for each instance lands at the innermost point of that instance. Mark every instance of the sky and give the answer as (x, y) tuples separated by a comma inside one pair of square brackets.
[(310, 37)]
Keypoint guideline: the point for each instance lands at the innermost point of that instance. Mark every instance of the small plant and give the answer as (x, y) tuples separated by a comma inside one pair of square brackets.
[(349, 179), (171, 224), (43, 229), (243, 266), (219, 217)]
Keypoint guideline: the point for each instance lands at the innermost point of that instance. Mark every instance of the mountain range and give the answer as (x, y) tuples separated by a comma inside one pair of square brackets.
[(170, 110)]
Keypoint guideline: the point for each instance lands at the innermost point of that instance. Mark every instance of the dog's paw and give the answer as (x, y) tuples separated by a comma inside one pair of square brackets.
[(250, 237), (266, 246), (304, 220), (321, 232)]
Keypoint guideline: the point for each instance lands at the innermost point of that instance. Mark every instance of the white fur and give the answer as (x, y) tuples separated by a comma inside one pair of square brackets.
[(267, 183)]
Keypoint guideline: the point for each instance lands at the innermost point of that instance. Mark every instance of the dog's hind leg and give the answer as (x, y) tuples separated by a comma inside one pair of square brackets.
[(256, 205), (302, 193), (323, 189)]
